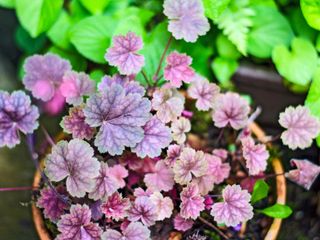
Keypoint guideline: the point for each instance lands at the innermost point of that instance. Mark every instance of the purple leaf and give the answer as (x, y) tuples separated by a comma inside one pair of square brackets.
[(129, 85), (75, 86), (44, 75), (120, 116), (156, 137), (124, 54), (235, 207), (77, 225), (74, 161), (192, 203), (182, 224), (143, 209), (51, 203), (134, 231), (230, 109), (186, 19), (104, 184), (75, 124), (16, 114)]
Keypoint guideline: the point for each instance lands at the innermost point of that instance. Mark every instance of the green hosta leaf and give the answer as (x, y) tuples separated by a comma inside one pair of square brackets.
[(214, 8), (226, 48), (269, 3), (277, 211), (37, 16), (311, 12), (28, 44), (313, 97), (318, 43), (235, 24), (91, 36), (97, 75), (78, 63), (116, 6), (297, 65), (95, 6), (77, 11), (223, 69), (300, 26), (269, 29), (59, 32), (260, 191), (7, 3)]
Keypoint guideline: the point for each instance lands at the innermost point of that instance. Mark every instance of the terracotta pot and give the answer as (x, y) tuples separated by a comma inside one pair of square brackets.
[(271, 234)]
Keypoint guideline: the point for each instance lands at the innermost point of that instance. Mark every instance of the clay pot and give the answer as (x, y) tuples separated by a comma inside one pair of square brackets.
[(271, 234)]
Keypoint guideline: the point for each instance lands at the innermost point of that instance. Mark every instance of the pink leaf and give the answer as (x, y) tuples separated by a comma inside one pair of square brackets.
[(230, 109), (120, 118), (204, 92), (168, 103), (51, 203), (156, 137), (55, 105), (186, 19), (182, 224), (75, 124), (77, 225), (179, 127), (235, 207), (191, 163), (161, 179), (173, 154), (75, 86), (192, 203), (73, 160), (305, 174), (256, 155), (124, 54), (178, 69), (116, 207), (301, 127), (104, 184), (143, 209), (16, 114), (44, 75), (118, 173), (164, 205), (134, 231)]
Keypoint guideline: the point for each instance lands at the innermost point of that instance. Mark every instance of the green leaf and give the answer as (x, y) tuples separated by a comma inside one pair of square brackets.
[(116, 6), (28, 44), (78, 63), (235, 24), (97, 75), (300, 26), (313, 97), (269, 3), (7, 3), (226, 48), (318, 43), (311, 12), (59, 32), (214, 8), (260, 191), (95, 6), (269, 29), (154, 44), (277, 211), (37, 16), (92, 35), (297, 65), (223, 69)]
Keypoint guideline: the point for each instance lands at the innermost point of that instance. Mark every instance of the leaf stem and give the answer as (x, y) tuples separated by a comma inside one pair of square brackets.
[(214, 227), (17, 189), (155, 76)]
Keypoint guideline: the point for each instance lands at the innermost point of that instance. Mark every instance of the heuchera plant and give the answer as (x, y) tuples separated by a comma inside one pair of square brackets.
[(128, 167)]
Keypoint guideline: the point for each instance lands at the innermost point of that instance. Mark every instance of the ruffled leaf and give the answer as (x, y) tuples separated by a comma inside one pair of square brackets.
[(134, 231)]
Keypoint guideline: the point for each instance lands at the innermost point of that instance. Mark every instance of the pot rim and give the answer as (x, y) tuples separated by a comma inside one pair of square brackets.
[(271, 234)]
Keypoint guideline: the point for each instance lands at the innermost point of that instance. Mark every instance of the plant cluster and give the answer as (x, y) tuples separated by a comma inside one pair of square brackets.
[(131, 166)]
